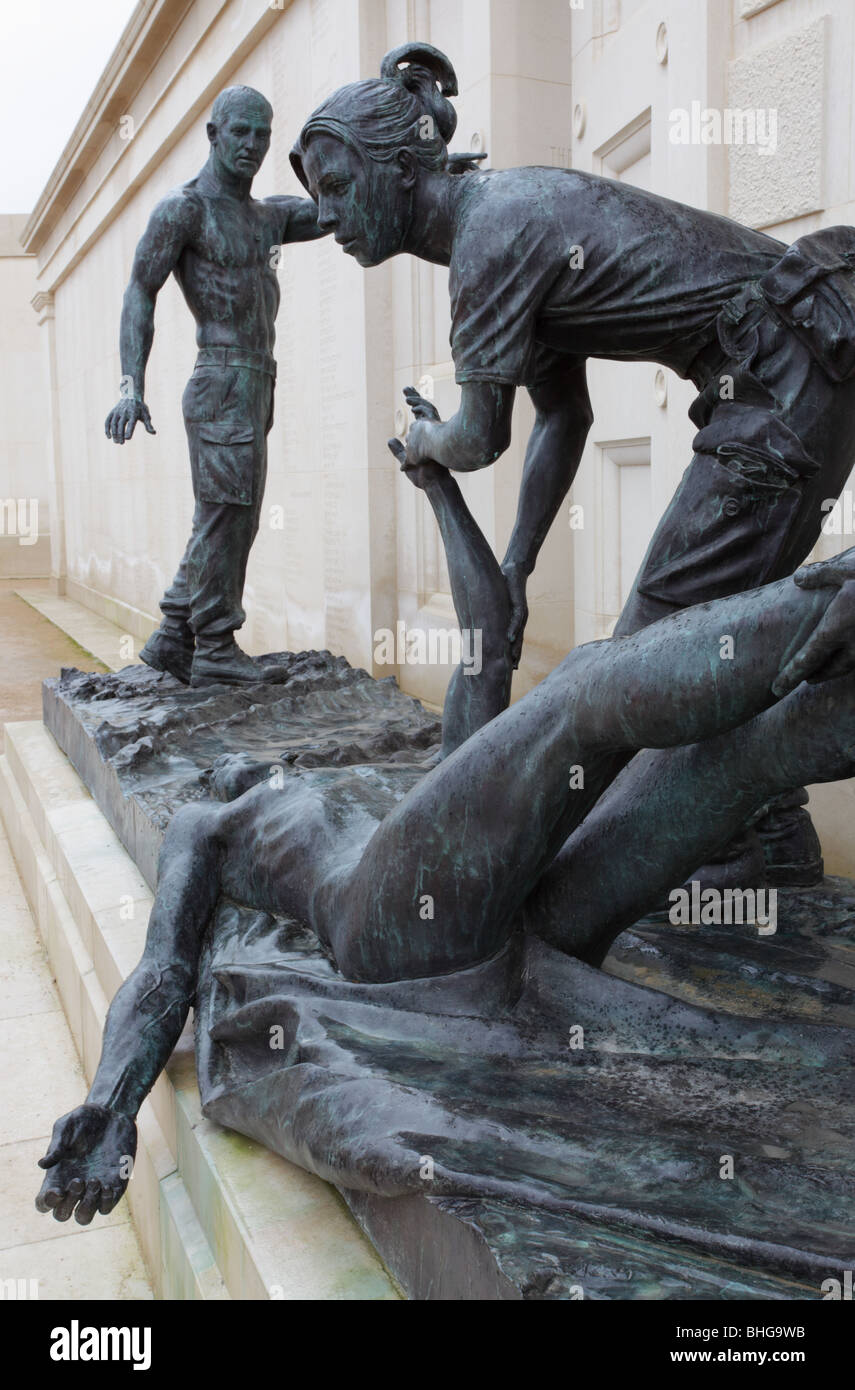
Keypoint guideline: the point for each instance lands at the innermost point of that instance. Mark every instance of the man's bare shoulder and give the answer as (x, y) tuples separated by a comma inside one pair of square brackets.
[(282, 202), (179, 209)]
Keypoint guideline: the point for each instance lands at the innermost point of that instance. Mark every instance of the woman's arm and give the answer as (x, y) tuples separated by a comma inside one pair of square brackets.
[(830, 650), (563, 419), (474, 438), (561, 426)]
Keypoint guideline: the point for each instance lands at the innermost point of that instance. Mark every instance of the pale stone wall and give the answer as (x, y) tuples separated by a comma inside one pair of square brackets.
[(24, 507), (797, 56)]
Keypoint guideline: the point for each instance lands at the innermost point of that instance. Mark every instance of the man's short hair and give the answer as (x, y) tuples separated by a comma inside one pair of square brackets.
[(237, 96)]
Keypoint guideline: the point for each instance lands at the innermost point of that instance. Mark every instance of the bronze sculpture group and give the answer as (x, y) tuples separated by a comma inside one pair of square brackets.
[(488, 833)]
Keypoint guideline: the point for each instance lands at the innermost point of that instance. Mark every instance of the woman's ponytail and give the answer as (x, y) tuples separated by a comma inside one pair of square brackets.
[(431, 79), (381, 116)]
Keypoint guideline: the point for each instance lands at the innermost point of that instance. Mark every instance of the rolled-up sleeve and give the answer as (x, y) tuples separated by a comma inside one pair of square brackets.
[(502, 270)]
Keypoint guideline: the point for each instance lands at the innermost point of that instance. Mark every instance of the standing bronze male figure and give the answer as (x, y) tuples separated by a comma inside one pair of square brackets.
[(219, 242)]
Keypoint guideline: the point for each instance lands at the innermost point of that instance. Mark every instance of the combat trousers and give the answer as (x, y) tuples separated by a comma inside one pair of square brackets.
[(771, 457), (776, 443), (228, 412)]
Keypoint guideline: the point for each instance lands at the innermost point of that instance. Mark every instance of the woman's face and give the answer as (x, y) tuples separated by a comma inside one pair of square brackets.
[(365, 204)]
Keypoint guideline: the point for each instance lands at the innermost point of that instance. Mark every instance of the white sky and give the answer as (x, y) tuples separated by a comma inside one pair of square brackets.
[(52, 53)]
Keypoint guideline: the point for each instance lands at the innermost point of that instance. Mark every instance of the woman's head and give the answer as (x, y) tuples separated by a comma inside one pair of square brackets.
[(360, 153)]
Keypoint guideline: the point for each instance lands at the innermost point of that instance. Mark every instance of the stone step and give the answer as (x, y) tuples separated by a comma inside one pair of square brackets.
[(217, 1215)]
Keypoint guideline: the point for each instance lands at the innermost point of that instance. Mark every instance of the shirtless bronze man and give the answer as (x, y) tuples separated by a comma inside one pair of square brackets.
[(219, 242)]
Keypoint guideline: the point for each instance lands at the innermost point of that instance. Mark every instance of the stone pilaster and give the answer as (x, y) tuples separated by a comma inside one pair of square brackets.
[(43, 304)]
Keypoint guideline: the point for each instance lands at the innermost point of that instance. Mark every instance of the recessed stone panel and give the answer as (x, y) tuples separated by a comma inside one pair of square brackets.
[(775, 121)]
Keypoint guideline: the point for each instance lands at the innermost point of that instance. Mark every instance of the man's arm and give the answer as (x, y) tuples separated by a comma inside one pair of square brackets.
[(562, 421), (170, 228), (299, 218)]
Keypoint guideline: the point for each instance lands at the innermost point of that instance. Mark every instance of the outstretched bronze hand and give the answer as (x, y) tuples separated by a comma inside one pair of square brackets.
[(88, 1162), (418, 441), (830, 650)]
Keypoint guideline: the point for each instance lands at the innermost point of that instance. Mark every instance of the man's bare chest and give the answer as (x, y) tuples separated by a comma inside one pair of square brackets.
[(235, 236)]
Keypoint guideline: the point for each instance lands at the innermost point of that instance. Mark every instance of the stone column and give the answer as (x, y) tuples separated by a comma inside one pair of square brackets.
[(43, 303)]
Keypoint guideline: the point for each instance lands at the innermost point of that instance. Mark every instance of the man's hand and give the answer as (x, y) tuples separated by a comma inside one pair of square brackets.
[(122, 420), (89, 1163), (419, 474), (516, 578), (830, 650)]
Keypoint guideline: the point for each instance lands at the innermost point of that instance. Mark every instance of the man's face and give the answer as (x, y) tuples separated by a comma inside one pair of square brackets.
[(363, 203), (242, 139)]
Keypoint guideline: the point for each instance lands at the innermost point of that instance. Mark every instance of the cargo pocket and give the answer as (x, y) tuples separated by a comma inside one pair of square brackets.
[(203, 394), (812, 290), (722, 534), (225, 463)]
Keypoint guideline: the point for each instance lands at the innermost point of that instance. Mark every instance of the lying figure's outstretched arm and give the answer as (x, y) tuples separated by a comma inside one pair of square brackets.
[(91, 1153)]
